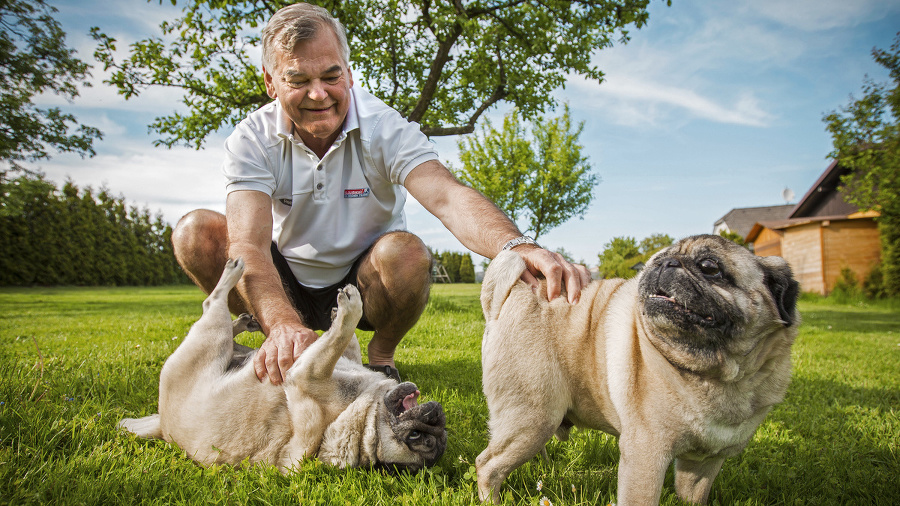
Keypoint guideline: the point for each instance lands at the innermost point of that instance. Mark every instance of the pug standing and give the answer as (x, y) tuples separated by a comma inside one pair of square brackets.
[(330, 406), (682, 363)]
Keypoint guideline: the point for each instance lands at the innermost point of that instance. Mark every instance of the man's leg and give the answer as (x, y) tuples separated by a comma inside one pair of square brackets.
[(200, 240), (394, 280)]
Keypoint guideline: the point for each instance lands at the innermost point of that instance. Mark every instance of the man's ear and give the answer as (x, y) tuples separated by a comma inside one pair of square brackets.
[(350, 76), (270, 84)]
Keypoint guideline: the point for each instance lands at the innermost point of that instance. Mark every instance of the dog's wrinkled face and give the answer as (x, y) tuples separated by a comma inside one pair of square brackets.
[(708, 295), (421, 428)]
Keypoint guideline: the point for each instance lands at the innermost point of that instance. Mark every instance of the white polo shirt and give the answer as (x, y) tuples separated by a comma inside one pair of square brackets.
[(327, 212)]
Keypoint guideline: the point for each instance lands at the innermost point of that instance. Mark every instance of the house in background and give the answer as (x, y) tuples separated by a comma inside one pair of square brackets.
[(741, 220), (821, 235)]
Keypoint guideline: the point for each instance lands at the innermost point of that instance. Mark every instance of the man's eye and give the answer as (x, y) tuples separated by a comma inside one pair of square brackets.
[(333, 80)]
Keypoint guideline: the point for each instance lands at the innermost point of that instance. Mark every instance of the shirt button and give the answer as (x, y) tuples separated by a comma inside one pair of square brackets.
[(319, 186), (319, 167)]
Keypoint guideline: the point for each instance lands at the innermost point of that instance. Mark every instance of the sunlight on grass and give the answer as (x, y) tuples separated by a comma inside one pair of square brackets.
[(73, 361)]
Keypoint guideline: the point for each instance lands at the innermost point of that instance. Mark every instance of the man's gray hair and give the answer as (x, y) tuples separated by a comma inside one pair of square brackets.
[(294, 24)]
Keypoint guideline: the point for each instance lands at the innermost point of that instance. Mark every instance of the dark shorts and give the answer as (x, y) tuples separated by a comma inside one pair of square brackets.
[(315, 304)]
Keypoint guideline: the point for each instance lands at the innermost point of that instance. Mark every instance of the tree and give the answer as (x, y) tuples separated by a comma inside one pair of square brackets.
[(620, 255), (459, 266), (34, 59), (546, 181), (866, 139), (48, 237), (441, 64), (733, 237)]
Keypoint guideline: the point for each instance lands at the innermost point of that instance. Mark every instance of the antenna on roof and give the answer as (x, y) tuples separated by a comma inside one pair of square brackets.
[(788, 195)]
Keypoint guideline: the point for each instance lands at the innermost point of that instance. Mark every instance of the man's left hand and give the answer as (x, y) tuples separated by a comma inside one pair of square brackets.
[(558, 272)]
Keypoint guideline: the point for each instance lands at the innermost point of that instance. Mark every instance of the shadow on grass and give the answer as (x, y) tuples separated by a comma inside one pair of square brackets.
[(853, 321), (828, 443)]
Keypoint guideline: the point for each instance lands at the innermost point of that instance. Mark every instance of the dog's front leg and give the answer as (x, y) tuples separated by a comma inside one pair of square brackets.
[(318, 361), (642, 470), (694, 478)]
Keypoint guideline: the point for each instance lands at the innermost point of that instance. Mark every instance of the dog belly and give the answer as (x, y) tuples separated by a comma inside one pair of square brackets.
[(228, 419)]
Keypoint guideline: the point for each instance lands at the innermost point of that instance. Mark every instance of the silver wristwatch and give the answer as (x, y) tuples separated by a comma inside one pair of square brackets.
[(517, 242)]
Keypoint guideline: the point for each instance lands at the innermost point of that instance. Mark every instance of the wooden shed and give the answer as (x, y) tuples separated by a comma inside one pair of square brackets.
[(822, 235)]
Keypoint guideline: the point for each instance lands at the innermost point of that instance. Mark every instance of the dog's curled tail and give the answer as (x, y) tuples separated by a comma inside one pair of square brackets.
[(503, 272), (147, 427)]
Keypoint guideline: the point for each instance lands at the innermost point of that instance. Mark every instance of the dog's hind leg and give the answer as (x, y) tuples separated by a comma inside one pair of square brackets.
[(211, 338), (510, 446)]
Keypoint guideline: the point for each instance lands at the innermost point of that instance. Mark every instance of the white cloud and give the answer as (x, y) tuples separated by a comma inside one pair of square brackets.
[(173, 181), (632, 100), (822, 15)]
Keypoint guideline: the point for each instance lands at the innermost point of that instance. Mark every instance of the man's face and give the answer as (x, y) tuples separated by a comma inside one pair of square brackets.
[(313, 86)]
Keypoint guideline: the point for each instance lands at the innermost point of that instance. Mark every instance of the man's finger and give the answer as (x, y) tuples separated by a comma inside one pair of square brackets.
[(286, 358), (272, 367), (530, 280), (573, 284), (259, 364), (585, 275)]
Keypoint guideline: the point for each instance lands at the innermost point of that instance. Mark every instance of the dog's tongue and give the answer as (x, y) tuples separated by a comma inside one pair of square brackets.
[(410, 400)]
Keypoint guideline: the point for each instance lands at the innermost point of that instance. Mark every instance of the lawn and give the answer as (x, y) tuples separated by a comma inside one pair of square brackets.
[(73, 361)]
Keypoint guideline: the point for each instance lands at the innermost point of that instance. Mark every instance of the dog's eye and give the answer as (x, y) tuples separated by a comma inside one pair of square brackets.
[(709, 267), (414, 436)]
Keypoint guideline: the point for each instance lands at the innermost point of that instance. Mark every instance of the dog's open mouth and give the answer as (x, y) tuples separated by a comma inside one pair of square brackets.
[(407, 403), (402, 398), (681, 309)]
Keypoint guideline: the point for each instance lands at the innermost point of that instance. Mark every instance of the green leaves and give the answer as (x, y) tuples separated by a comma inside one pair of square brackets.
[(866, 138), (441, 64), (622, 256), (75, 237), (545, 181), (34, 59)]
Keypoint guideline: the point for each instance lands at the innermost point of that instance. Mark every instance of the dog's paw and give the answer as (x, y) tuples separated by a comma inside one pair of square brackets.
[(349, 301), (245, 323), (234, 268)]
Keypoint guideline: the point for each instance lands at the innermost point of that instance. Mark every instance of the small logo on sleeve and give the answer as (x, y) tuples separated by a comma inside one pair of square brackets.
[(356, 193)]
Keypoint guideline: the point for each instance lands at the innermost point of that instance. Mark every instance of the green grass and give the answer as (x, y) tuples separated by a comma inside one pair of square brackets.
[(73, 361)]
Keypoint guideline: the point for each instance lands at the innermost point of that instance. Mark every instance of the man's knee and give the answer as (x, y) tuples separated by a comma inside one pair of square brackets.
[(199, 241), (403, 255), (199, 233)]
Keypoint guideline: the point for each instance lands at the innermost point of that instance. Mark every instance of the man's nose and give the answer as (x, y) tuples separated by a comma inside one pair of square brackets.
[(317, 90)]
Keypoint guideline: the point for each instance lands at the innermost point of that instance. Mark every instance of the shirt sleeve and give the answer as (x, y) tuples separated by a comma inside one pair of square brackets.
[(397, 146), (245, 166)]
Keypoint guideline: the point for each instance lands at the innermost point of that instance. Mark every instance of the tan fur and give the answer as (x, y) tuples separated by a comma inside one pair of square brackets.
[(223, 415), (605, 364)]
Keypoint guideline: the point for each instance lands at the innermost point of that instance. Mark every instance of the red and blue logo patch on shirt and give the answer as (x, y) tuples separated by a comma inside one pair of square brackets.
[(356, 193)]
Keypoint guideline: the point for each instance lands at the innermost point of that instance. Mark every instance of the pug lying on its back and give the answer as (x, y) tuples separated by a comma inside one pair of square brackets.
[(212, 405)]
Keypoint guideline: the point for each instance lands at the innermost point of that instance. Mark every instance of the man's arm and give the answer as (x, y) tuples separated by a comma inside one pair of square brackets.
[(249, 216), (484, 228)]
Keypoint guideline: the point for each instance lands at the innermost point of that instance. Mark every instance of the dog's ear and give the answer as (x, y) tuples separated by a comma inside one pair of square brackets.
[(779, 279)]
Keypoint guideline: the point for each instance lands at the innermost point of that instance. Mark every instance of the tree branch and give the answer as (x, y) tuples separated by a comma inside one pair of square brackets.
[(434, 74)]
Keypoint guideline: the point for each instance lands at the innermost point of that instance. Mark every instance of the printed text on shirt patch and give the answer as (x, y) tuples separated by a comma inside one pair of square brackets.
[(357, 193)]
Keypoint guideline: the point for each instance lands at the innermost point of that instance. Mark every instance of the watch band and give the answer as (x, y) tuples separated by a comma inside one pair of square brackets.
[(524, 239)]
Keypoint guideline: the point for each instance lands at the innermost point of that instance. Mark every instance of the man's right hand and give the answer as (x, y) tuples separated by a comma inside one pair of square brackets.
[(278, 352)]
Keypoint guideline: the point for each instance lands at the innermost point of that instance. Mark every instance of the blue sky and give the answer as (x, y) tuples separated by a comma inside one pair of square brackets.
[(711, 106)]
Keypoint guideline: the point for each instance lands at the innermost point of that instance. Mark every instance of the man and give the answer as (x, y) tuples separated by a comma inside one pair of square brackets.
[(315, 201)]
